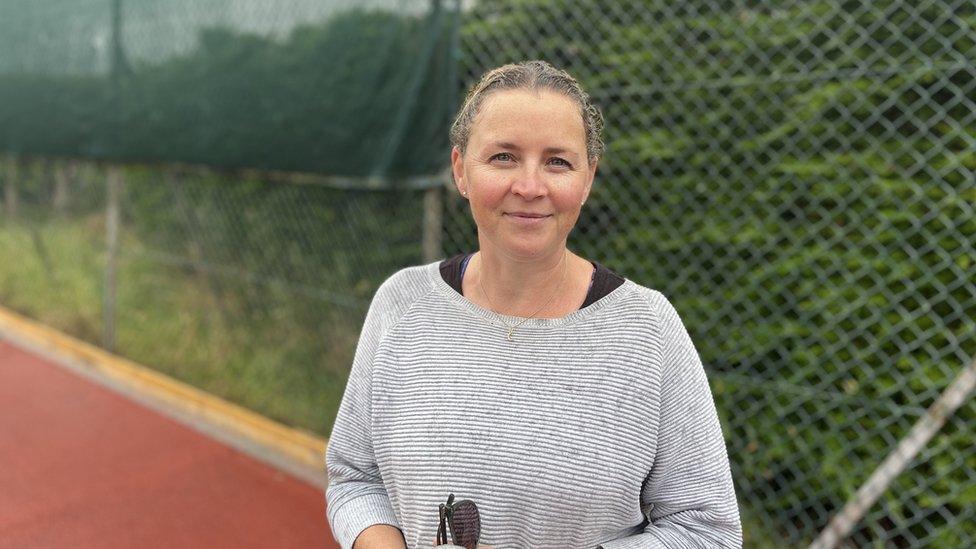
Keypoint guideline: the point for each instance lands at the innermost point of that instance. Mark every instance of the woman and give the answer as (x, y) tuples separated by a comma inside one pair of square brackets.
[(567, 402)]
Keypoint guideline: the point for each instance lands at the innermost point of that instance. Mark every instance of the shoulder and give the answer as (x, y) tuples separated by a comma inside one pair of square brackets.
[(402, 290), (654, 298), (656, 306), (391, 301), (671, 337), (638, 309)]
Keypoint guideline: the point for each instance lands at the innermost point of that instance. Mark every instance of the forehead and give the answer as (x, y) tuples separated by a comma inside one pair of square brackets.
[(529, 114)]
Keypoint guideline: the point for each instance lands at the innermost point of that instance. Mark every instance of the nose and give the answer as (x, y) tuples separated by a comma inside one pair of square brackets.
[(529, 182)]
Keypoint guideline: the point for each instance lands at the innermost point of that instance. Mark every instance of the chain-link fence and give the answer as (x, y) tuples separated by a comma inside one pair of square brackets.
[(798, 177), (252, 288)]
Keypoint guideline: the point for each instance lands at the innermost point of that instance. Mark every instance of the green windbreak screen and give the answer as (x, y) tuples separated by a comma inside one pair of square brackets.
[(349, 88)]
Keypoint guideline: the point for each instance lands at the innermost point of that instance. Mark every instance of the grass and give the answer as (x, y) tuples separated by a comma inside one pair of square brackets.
[(282, 363), (289, 361)]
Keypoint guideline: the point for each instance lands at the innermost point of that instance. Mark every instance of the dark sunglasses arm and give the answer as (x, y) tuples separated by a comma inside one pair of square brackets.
[(442, 528)]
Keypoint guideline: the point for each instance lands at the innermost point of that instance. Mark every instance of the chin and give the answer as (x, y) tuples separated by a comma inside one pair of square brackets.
[(529, 250)]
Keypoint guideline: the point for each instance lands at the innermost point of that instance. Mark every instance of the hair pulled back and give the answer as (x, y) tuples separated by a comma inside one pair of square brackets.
[(535, 76)]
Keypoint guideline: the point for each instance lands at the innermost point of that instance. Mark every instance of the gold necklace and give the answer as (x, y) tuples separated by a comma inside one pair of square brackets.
[(512, 327)]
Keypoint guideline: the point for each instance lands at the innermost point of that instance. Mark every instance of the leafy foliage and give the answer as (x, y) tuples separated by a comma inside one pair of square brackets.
[(799, 179)]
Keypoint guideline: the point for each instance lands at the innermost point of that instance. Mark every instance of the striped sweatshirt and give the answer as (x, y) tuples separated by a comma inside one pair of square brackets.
[(596, 429)]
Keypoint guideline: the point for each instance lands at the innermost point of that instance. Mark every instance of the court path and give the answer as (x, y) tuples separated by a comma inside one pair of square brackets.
[(82, 466)]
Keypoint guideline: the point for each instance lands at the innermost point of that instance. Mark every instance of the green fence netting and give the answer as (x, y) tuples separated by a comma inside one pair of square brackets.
[(340, 87)]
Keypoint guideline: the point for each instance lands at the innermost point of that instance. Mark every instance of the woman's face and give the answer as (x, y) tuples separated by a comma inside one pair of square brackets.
[(525, 157)]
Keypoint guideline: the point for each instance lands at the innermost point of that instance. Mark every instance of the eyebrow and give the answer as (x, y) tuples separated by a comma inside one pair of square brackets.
[(513, 147)]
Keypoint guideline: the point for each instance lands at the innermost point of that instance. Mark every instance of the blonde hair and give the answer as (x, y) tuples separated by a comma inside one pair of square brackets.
[(530, 75)]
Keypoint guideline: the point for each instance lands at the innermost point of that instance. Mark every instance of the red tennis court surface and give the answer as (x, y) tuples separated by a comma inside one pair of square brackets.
[(82, 466)]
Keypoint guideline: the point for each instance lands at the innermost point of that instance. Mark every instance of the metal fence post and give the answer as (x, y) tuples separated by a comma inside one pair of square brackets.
[(60, 198), (114, 182), (10, 188), (432, 224), (896, 462)]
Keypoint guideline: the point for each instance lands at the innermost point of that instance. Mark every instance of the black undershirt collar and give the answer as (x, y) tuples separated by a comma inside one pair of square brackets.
[(602, 283)]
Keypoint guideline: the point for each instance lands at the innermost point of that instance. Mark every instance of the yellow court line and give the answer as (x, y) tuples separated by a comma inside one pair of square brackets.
[(299, 447)]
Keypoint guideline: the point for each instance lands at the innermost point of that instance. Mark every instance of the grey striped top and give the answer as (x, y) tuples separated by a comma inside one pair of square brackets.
[(594, 429)]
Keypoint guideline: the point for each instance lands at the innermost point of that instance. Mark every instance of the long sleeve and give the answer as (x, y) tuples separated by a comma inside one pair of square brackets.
[(688, 496), (356, 497)]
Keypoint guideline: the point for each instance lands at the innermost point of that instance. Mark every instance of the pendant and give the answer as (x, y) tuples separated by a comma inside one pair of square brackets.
[(510, 332)]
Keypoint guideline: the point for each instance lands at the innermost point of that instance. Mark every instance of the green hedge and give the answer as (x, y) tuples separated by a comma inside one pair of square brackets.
[(799, 180)]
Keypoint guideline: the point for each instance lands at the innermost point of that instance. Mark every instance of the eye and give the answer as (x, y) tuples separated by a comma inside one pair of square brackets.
[(560, 162), (504, 157)]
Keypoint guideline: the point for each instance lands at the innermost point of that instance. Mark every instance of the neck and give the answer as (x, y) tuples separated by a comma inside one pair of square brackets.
[(519, 286)]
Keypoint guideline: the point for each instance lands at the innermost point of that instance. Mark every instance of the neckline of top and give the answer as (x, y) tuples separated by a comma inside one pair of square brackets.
[(502, 321)]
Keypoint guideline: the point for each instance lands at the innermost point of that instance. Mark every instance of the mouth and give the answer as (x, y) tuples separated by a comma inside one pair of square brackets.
[(525, 215)]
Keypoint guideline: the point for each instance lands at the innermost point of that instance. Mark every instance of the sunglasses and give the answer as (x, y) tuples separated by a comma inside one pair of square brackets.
[(462, 519)]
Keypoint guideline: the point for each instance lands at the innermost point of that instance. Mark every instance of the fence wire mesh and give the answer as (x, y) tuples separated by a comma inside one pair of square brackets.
[(251, 288), (798, 177)]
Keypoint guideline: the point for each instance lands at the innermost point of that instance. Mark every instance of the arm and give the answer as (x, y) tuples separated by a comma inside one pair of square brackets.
[(356, 497), (688, 494), (380, 536)]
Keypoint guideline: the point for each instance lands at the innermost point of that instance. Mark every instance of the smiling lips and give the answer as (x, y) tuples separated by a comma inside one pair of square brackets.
[(527, 219)]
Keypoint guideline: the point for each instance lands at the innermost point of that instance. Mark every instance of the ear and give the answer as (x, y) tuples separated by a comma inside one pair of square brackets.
[(457, 170)]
